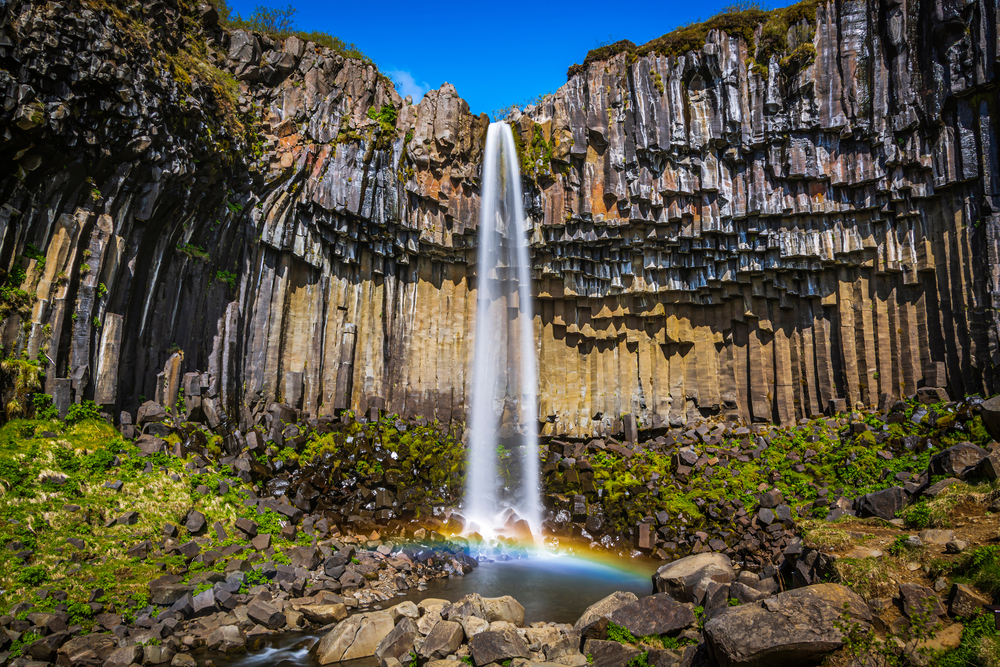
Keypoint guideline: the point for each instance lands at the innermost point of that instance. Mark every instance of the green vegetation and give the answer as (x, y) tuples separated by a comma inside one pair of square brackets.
[(617, 633), (980, 644), (787, 30), (12, 297), (385, 131), (25, 377), (279, 22), (227, 278), (195, 252), (865, 647), (980, 567), (801, 461)]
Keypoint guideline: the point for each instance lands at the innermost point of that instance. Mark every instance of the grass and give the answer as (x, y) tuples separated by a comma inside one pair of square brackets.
[(937, 512), (41, 475), (868, 577), (740, 21), (823, 455), (980, 568)]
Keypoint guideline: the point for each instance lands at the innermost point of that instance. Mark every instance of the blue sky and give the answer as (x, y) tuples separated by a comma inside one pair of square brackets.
[(494, 55)]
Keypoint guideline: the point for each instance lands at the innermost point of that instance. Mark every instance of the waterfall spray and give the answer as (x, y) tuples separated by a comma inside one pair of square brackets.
[(504, 418)]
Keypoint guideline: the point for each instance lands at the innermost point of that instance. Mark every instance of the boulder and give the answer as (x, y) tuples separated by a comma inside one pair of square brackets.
[(323, 613), (987, 469), (504, 608), (920, 600), (226, 638), (125, 656), (883, 504), (399, 642), (654, 615), (601, 653), (490, 646), (793, 628), (267, 615), (680, 578), (953, 461), (150, 411), (965, 601), (443, 640), (167, 590), (604, 607), (86, 651), (355, 637)]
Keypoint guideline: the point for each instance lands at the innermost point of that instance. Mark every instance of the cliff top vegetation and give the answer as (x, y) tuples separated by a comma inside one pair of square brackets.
[(279, 22), (738, 20)]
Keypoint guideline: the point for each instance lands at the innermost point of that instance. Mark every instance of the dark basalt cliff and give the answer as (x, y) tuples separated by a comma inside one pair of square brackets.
[(728, 228)]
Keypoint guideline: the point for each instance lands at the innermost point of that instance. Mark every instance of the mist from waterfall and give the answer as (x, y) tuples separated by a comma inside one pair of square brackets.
[(503, 470)]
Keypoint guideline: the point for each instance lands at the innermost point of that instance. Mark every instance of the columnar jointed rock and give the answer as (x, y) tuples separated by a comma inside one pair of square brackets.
[(719, 229)]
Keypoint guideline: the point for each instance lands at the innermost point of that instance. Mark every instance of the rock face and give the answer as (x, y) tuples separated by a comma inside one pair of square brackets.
[(794, 628), (722, 229)]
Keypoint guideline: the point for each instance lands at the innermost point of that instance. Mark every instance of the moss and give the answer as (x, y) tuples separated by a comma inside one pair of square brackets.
[(738, 22)]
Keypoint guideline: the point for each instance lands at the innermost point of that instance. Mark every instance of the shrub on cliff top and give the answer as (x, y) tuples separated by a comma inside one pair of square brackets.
[(279, 22)]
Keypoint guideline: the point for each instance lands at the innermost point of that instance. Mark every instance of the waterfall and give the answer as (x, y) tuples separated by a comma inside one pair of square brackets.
[(503, 470)]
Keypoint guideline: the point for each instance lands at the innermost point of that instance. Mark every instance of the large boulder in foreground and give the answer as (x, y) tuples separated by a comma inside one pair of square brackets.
[(679, 578), (793, 628), (657, 614), (604, 607), (489, 646), (355, 637)]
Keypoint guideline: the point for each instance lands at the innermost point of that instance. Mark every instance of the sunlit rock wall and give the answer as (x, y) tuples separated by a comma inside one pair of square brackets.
[(707, 239)]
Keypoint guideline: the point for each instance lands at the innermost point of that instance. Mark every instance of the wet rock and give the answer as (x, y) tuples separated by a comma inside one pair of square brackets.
[(355, 637), (226, 638)]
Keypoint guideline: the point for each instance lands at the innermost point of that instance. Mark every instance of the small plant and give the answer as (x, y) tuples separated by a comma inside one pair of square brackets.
[(33, 575), (96, 322), (101, 290), (79, 412), (864, 647), (622, 635)]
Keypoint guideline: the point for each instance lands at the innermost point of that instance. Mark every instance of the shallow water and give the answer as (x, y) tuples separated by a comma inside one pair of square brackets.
[(555, 588)]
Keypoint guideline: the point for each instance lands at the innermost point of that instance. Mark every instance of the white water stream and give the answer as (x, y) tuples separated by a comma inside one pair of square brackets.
[(503, 470)]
